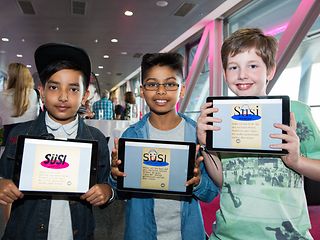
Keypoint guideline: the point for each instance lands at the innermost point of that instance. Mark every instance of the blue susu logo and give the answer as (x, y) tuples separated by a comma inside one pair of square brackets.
[(153, 158), (246, 113)]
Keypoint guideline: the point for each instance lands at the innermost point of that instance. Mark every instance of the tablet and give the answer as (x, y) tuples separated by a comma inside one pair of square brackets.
[(156, 167), (247, 123), (49, 166)]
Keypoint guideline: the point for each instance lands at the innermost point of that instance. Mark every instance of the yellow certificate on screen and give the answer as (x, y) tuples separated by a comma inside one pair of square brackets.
[(155, 168), (246, 126)]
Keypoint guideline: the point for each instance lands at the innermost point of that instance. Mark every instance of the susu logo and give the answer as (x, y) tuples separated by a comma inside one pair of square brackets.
[(55, 161), (246, 113), (153, 158)]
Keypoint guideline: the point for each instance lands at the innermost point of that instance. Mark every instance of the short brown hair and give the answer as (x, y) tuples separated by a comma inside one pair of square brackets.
[(247, 38), (129, 98)]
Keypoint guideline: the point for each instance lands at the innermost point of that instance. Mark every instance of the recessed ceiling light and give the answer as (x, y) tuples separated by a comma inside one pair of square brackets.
[(97, 74), (96, 40), (57, 28), (109, 73), (162, 3), (5, 39), (128, 13), (105, 56), (124, 53), (22, 40), (29, 66), (100, 67), (114, 40), (19, 55)]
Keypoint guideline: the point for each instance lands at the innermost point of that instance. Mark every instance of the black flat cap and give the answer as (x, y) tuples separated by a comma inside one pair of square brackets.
[(50, 53)]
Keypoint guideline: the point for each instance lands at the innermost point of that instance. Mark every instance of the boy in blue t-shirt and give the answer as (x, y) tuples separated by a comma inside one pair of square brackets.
[(149, 218)]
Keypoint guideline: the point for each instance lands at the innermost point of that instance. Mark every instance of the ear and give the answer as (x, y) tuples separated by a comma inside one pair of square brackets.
[(182, 91), (41, 90), (270, 73), (85, 97), (141, 92)]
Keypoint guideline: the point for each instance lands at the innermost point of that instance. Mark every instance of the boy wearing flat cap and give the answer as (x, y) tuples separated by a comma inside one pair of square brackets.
[(64, 72)]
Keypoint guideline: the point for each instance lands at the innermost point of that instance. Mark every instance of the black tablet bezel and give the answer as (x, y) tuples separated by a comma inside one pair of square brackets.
[(285, 120), (19, 156), (190, 174)]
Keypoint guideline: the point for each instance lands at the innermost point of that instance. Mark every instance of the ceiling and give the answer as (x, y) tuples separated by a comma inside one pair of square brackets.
[(91, 25)]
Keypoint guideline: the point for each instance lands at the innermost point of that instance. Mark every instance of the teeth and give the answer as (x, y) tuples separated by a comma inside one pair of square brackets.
[(244, 86), (161, 101)]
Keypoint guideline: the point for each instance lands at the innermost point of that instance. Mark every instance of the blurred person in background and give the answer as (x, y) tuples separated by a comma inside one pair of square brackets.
[(103, 109), (130, 110), (18, 103)]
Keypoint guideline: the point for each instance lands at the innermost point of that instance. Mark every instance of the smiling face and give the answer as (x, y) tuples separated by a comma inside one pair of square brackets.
[(63, 94), (246, 74), (162, 101)]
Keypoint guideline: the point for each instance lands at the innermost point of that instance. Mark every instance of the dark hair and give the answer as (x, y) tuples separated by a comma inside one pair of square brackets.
[(246, 39), (56, 67), (172, 60), (129, 98), (118, 109)]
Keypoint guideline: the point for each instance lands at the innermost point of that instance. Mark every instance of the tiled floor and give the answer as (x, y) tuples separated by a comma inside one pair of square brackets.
[(110, 221)]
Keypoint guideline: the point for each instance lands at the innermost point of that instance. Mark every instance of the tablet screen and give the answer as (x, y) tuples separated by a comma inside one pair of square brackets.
[(55, 166), (156, 166), (247, 123)]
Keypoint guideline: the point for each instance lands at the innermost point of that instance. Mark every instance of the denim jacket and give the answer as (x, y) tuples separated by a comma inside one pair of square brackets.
[(140, 221), (30, 215)]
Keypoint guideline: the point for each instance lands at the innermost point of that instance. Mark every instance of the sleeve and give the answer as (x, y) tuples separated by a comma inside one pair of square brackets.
[(8, 157), (206, 190), (307, 130)]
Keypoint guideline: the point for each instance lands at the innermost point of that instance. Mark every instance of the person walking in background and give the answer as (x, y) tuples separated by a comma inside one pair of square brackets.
[(18, 103), (118, 112), (130, 110), (103, 109)]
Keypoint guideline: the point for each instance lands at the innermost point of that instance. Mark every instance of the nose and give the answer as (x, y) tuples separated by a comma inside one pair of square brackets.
[(242, 73), (63, 96), (161, 90)]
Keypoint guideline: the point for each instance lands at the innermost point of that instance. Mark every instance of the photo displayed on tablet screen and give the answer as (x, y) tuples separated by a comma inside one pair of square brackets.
[(158, 167), (55, 166), (247, 123)]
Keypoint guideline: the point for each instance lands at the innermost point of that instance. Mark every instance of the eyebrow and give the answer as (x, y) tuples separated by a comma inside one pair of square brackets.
[(58, 83), (156, 79)]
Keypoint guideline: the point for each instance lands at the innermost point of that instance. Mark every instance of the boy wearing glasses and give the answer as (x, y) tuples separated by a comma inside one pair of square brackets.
[(170, 218)]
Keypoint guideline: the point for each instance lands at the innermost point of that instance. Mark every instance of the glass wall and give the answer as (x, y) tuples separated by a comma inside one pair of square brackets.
[(300, 78), (2, 79), (201, 89)]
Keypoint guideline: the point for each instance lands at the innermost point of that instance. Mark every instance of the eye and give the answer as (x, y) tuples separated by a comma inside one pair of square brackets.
[(152, 84), (171, 84), (253, 66), (52, 87), (232, 67), (74, 89)]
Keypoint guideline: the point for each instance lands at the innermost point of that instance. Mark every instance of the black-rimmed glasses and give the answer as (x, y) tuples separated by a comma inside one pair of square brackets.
[(154, 86)]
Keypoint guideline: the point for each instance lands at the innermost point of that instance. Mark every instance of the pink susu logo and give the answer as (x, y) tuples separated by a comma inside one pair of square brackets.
[(55, 161)]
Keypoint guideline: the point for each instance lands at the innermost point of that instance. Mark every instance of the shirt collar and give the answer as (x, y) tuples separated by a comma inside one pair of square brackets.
[(68, 128)]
